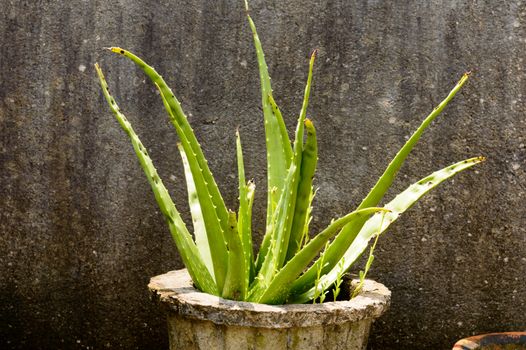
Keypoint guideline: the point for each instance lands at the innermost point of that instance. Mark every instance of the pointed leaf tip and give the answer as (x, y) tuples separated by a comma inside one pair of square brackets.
[(464, 78), (116, 50)]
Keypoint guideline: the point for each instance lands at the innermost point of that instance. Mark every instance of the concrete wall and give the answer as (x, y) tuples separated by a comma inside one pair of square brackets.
[(80, 232)]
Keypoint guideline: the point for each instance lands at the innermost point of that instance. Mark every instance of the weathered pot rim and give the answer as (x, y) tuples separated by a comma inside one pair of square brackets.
[(175, 291), (478, 341)]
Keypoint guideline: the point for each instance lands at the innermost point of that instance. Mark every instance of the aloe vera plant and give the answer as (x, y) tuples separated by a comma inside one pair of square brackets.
[(290, 267)]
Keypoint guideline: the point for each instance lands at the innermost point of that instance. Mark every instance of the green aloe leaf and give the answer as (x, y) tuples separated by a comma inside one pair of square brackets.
[(279, 152), (201, 239), (235, 287), (340, 244), (174, 109), (244, 218), (381, 221), (215, 232), (279, 288), (199, 166), (183, 240), (278, 229), (304, 196), (298, 147), (280, 226)]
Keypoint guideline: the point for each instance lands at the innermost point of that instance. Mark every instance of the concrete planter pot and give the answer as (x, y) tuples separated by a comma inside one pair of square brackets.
[(198, 320)]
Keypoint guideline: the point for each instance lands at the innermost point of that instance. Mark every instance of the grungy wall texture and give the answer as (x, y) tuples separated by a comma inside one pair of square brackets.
[(80, 231)]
